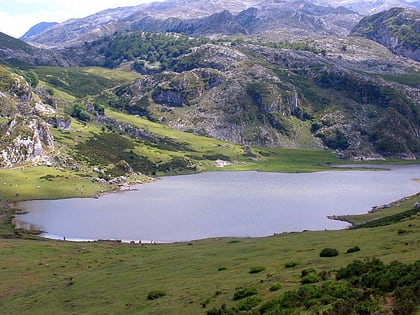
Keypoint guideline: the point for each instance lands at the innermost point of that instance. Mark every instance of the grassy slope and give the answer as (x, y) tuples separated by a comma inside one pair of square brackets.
[(51, 277), (102, 278)]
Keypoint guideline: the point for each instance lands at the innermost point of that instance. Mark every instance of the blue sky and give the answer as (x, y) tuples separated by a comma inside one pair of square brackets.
[(17, 16)]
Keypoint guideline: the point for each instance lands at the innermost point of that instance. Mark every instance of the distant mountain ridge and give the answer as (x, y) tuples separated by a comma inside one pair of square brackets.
[(198, 18), (37, 29)]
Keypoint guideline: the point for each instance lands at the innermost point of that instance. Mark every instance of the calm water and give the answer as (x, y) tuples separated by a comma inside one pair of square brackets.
[(241, 204)]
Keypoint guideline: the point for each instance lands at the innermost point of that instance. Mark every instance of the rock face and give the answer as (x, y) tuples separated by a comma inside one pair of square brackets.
[(256, 95), (26, 136), (397, 29)]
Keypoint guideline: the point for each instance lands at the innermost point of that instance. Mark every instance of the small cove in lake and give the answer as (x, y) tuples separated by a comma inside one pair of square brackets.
[(219, 204)]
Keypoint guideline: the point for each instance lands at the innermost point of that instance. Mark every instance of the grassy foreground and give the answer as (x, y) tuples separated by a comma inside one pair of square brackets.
[(55, 277)]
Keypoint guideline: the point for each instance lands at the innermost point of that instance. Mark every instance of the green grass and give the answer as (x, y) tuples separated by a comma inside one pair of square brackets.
[(81, 82), (30, 183), (398, 207), (108, 278)]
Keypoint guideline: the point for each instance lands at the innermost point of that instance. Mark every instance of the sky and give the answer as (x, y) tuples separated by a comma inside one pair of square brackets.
[(17, 16)]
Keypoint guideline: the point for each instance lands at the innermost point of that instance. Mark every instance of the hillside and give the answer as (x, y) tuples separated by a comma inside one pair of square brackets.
[(397, 29), (287, 94), (14, 50)]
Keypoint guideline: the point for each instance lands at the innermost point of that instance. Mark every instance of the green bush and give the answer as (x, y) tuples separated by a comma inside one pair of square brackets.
[(353, 249), (153, 295), (244, 292), (311, 277), (328, 252), (275, 287), (256, 269), (249, 303), (291, 264)]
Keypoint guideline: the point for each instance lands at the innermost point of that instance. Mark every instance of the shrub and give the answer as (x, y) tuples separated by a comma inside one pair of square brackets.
[(256, 269), (153, 295), (353, 249), (328, 252), (291, 264), (275, 287), (249, 303), (221, 268), (244, 292), (311, 277)]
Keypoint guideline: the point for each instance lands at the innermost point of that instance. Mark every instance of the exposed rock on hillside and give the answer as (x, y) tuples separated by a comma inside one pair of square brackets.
[(256, 95), (198, 19), (26, 137), (397, 29)]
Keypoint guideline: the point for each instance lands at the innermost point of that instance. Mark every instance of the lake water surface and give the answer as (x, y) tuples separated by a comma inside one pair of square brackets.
[(241, 204)]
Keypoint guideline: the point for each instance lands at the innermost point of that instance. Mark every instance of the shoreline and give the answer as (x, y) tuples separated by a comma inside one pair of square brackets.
[(133, 186)]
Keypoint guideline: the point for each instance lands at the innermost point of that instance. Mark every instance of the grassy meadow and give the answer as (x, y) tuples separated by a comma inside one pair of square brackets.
[(51, 277)]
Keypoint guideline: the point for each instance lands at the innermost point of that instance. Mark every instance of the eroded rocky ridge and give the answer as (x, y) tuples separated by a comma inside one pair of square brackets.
[(256, 95), (26, 136)]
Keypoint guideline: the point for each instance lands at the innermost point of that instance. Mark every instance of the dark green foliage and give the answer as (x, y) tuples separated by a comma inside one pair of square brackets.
[(309, 276), (221, 268), (31, 77), (153, 295), (74, 81), (291, 264), (223, 310), (275, 287), (390, 219), (244, 292), (256, 269), (249, 303), (214, 157), (99, 108), (353, 249), (328, 252), (78, 111), (110, 148), (145, 49)]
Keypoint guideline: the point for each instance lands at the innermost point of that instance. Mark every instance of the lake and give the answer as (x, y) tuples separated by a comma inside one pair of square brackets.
[(217, 204)]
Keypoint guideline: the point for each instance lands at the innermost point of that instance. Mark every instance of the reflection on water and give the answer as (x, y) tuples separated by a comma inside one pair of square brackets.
[(242, 204)]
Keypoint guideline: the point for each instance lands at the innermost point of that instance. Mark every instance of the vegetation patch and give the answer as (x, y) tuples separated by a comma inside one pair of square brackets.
[(153, 295), (256, 269), (244, 292), (353, 249), (328, 252)]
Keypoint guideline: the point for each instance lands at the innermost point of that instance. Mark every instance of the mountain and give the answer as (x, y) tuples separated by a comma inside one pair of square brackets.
[(12, 49), (345, 93), (368, 7), (397, 29), (37, 29), (196, 18)]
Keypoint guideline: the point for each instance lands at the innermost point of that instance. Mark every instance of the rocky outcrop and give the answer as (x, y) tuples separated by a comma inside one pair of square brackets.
[(255, 95), (397, 29), (25, 140), (26, 137)]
